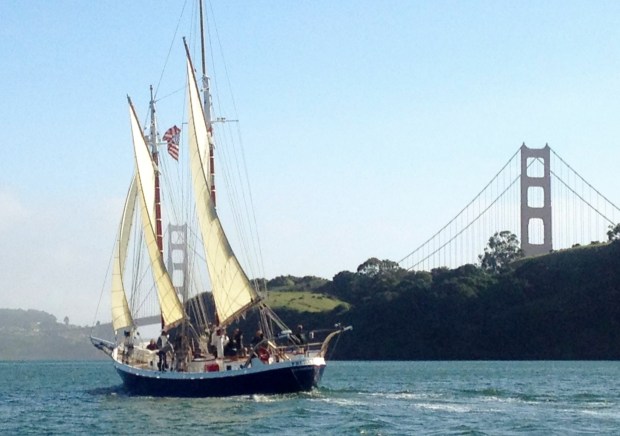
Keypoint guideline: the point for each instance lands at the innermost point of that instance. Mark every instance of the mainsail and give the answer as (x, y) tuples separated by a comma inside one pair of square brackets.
[(171, 307), (232, 291), (121, 315)]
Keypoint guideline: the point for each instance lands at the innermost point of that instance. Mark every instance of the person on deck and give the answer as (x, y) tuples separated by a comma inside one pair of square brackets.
[(163, 345), (300, 334), (127, 346), (238, 341), (219, 340), (152, 345), (258, 337), (234, 346)]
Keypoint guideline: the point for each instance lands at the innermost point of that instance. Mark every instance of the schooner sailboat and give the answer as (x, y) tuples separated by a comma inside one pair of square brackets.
[(194, 356)]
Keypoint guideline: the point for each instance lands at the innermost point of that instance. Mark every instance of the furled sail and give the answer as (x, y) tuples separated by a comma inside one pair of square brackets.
[(232, 291), (171, 307), (121, 316)]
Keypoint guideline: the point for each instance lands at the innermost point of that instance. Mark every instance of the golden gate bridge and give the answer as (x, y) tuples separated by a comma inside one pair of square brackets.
[(537, 196)]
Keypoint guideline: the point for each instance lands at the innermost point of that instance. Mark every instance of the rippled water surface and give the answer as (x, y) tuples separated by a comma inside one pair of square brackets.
[(355, 398)]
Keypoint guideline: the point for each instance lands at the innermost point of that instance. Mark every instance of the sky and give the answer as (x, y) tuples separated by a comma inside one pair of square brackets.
[(366, 125)]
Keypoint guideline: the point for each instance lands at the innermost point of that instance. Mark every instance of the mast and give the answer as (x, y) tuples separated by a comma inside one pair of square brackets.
[(209, 122), (207, 107), (155, 156)]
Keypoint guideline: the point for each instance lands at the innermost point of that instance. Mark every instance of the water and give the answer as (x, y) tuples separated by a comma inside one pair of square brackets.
[(355, 398)]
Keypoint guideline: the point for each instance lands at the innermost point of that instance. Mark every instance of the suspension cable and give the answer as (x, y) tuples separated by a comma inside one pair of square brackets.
[(462, 210)]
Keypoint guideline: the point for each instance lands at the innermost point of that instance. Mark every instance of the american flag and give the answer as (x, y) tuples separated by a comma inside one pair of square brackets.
[(172, 138)]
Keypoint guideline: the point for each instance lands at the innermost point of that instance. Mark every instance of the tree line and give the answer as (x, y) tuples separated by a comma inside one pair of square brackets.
[(564, 305)]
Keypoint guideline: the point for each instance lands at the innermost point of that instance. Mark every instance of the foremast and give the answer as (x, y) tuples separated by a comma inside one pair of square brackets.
[(155, 157)]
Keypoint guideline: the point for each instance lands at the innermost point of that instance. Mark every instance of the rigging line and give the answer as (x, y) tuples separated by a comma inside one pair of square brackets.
[(475, 219), (246, 192), (229, 154), (139, 299), (330, 352), (174, 37), (103, 287), (582, 199), (584, 180), (241, 223), (211, 54), (112, 255), (136, 255), (224, 63), (223, 150), (140, 305), (462, 210), (170, 94), (139, 279), (172, 187), (185, 181), (195, 276), (257, 246), (234, 197), (200, 311), (235, 185), (175, 178), (248, 206)]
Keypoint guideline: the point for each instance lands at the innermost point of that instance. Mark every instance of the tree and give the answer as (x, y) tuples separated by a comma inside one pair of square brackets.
[(66, 320), (614, 233), (374, 266), (503, 248), (281, 282)]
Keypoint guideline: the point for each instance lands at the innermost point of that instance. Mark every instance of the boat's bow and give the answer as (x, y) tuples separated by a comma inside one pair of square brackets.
[(101, 344), (332, 335)]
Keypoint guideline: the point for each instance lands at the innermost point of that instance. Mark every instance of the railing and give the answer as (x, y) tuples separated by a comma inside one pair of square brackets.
[(284, 347)]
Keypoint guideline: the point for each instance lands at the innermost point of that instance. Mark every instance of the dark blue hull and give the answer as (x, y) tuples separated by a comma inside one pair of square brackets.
[(279, 380)]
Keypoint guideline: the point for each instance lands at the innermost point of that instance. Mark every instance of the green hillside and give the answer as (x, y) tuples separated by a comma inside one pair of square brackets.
[(303, 301)]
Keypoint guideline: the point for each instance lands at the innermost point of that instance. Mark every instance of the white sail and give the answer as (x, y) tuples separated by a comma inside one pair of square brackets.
[(232, 291), (171, 307), (121, 315)]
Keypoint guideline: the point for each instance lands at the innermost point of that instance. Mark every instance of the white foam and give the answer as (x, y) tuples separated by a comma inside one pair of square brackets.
[(456, 408)]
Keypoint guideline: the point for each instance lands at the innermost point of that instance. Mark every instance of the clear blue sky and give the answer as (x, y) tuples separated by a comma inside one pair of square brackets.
[(367, 125)]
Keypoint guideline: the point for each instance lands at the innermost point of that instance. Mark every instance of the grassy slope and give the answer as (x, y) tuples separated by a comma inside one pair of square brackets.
[(302, 301)]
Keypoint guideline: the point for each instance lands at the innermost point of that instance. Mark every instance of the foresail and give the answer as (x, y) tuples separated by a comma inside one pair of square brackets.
[(121, 315), (232, 291), (171, 307)]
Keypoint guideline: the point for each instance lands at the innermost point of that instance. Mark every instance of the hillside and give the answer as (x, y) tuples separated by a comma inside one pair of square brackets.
[(303, 301), (35, 335), (564, 305)]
